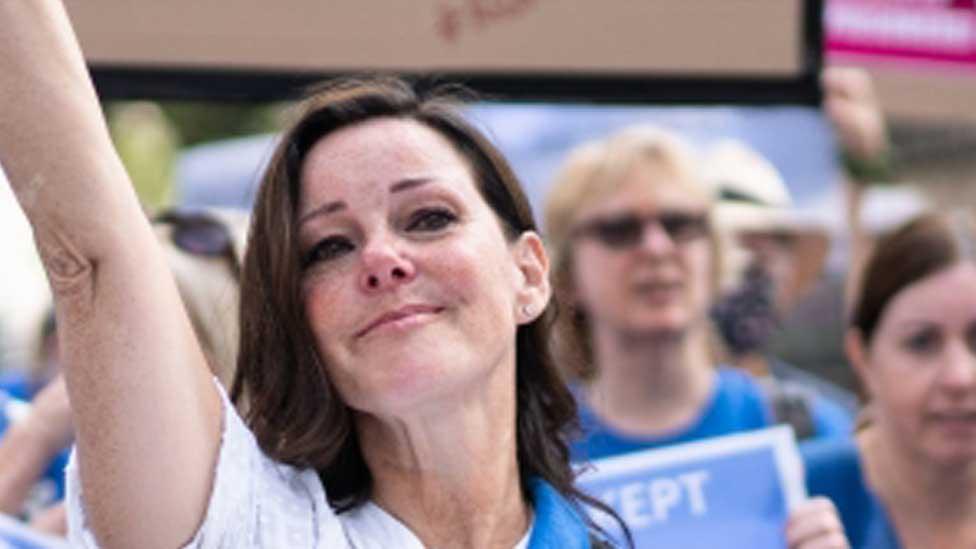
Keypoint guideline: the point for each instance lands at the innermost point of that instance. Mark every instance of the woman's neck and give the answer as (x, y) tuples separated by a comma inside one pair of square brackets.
[(932, 505), (449, 472), (650, 386)]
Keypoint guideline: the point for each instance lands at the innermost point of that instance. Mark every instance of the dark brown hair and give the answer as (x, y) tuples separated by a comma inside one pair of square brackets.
[(293, 408), (924, 246)]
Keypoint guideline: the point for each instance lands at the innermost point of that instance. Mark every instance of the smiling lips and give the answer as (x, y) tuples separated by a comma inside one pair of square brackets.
[(954, 416), (958, 423), (398, 315)]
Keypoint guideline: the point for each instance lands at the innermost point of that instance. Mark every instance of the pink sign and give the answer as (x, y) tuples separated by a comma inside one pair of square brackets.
[(926, 32)]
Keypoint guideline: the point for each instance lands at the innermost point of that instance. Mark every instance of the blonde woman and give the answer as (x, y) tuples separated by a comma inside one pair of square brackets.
[(636, 264)]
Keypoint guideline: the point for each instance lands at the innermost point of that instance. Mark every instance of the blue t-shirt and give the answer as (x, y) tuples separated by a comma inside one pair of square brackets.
[(50, 488), (833, 469), (18, 384), (557, 524), (830, 420), (738, 403)]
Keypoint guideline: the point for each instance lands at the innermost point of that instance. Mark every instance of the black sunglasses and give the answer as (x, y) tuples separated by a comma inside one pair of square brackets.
[(627, 230), (198, 233)]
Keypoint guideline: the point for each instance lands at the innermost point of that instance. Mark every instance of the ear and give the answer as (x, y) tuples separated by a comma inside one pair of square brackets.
[(534, 290), (858, 356)]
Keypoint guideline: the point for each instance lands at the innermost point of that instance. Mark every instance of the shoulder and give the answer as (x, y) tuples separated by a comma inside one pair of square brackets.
[(831, 457), (812, 415), (735, 387), (254, 501), (842, 398), (833, 469), (738, 400), (557, 522), (831, 419)]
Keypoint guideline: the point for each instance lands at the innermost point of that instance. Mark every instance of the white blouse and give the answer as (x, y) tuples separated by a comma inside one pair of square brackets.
[(260, 503)]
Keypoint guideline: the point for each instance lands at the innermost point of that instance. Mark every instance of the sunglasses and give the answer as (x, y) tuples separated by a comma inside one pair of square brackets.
[(783, 240), (627, 230), (201, 234)]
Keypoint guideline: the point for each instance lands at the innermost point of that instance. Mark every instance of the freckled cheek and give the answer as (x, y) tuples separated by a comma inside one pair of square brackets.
[(323, 304), (479, 279)]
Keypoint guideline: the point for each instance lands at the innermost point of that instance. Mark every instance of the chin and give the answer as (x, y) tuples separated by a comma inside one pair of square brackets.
[(403, 384), (662, 324), (394, 395)]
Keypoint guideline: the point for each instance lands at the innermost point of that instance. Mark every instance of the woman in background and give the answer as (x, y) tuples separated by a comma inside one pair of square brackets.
[(203, 249), (908, 480), (635, 266), (637, 263)]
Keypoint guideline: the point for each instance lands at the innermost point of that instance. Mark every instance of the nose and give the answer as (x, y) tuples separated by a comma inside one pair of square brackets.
[(959, 370), (384, 266), (655, 240)]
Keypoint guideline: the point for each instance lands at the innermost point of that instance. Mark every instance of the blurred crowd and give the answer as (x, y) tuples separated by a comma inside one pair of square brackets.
[(678, 266)]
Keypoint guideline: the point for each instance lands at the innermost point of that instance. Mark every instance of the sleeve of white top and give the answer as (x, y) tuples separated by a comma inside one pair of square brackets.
[(255, 502)]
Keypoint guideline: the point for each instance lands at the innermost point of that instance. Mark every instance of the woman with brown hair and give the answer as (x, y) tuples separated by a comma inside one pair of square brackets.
[(393, 354), (909, 478)]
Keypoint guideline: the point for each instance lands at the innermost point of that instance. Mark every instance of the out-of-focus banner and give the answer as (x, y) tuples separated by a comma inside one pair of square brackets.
[(730, 492), (754, 37), (921, 53), (912, 32)]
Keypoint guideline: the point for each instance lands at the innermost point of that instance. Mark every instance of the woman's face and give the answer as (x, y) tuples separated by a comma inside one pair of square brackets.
[(921, 366), (657, 281), (411, 289)]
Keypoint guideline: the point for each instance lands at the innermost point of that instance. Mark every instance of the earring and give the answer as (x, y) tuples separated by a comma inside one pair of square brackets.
[(527, 312)]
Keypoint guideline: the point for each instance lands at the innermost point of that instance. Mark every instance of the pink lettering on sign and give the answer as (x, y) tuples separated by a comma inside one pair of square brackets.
[(455, 18), (907, 31)]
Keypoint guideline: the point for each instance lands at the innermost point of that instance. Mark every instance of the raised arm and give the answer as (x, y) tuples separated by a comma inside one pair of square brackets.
[(146, 412), (855, 113)]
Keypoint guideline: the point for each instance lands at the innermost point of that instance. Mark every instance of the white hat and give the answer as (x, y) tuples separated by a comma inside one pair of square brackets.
[(751, 197)]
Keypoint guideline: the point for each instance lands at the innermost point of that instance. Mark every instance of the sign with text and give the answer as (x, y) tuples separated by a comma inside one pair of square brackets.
[(16, 535), (909, 32), (731, 492), (921, 53), (753, 37)]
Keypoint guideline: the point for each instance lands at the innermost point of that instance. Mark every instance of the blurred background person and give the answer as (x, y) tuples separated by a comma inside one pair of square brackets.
[(636, 265), (781, 255), (909, 478), (42, 366), (204, 250), (37, 464)]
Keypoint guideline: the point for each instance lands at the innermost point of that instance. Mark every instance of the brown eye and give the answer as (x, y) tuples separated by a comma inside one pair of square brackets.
[(327, 249), (431, 219), (924, 342)]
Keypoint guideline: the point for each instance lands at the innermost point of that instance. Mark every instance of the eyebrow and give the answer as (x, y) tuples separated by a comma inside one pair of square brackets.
[(332, 207), (912, 324)]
